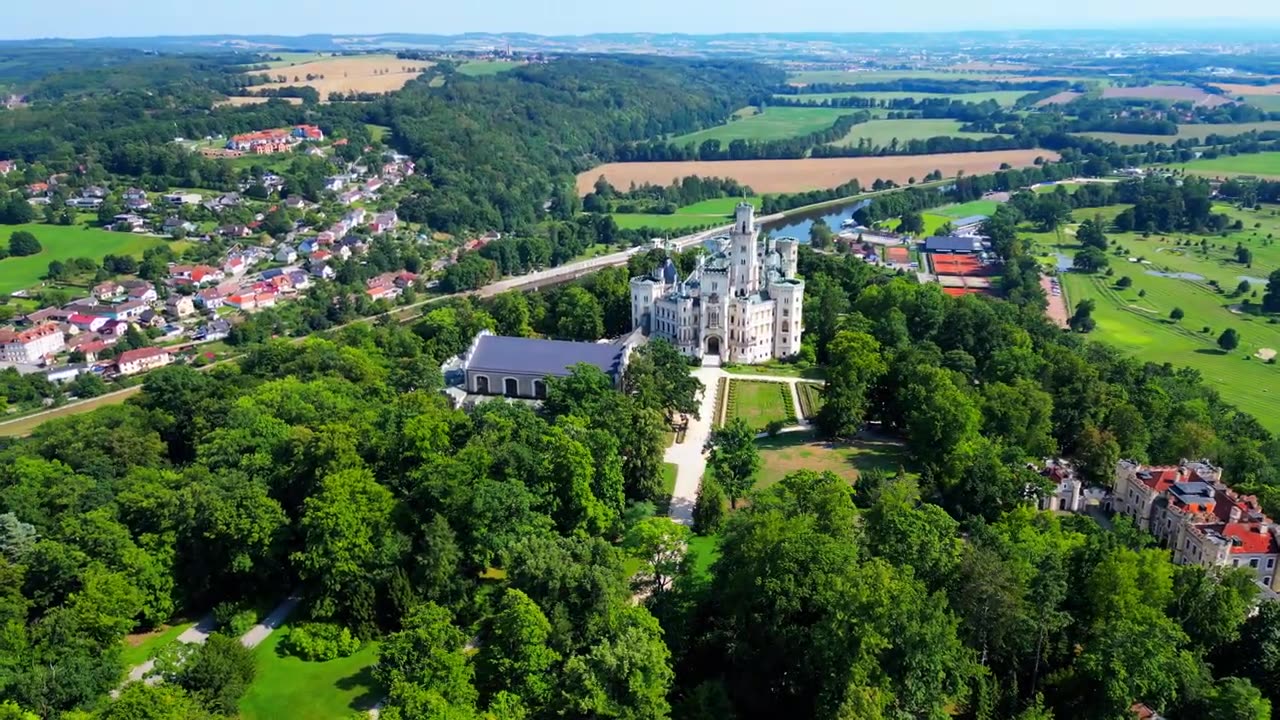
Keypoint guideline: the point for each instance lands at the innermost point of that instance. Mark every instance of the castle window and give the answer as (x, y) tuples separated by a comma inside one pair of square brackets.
[(1253, 563), (1271, 562)]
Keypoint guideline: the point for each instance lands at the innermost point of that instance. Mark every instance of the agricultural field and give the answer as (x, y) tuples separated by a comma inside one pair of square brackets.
[(785, 454), (359, 73), (883, 132), (1196, 132), (775, 123), (241, 101), (707, 212), (287, 686), (1166, 274), (63, 242), (779, 176), (1006, 98), (808, 77), (290, 59), (1172, 93), (1269, 103), (1259, 164), (476, 68)]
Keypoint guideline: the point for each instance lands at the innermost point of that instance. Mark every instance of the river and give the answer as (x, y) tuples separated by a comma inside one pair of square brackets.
[(798, 225)]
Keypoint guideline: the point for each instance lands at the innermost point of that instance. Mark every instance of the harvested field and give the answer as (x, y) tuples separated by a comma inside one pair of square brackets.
[(359, 73), (778, 176), (1061, 98), (1173, 93), (1234, 89), (242, 101)]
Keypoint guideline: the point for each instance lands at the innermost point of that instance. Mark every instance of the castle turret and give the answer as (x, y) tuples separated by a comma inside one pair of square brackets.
[(788, 316), (788, 251), (644, 292), (744, 266)]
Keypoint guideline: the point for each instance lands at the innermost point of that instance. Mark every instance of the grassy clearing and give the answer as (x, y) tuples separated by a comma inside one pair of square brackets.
[(377, 132), (140, 647), (717, 211), (1259, 164), (786, 454), (760, 403), (883, 132), (719, 207), (1006, 98), (476, 68), (933, 222), (1270, 103), (63, 242), (976, 207), (1136, 319), (775, 123), (1197, 132), (289, 687)]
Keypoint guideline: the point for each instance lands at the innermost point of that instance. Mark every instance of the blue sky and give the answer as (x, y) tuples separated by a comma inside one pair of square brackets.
[(94, 18)]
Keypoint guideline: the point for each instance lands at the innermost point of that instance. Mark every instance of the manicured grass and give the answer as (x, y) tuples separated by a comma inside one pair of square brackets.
[(881, 133), (1198, 132), (704, 551), (287, 687), (719, 207), (976, 207), (778, 368), (477, 68), (760, 403), (775, 123), (810, 399), (1260, 164), (594, 251), (139, 648), (1006, 98), (63, 242), (788, 453), (933, 222), (1136, 319)]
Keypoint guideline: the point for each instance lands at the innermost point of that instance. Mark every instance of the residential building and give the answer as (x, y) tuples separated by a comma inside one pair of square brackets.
[(383, 292), (132, 362), (235, 231), (30, 347), (130, 221), (1067, 493), (235, 266), (67, 373), (108, 290), (211, 298), (88, 323), (349, 197), (180, 306), (172, 224), (242, 301), (141, 290), (324, 272), (743, 303), (382, 222), (286, 254), (85, 203)]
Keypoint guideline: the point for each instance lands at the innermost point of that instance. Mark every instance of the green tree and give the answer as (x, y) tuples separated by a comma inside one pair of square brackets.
[(579, 316), (515, 655), (424, 665), (1176, 314), (820, 235), (1090, 235), (912, 223), (855, 364), (1271, 299), (734, 458), (661, 545), (709, 507), (141, 701), (626, 674), (218, 673), (1096, 455), (1082, 320), (510, 311), (1229, 339), (23, 243), (658, 376), (941, 420), (1090, 260)]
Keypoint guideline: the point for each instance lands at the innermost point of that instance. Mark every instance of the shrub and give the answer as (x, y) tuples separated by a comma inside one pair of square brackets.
[(320, 641), (774, 427), (234, 618)]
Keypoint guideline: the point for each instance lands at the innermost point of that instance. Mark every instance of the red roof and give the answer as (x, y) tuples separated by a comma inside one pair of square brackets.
[(1159, 478), (1254, 538), (141, 354)]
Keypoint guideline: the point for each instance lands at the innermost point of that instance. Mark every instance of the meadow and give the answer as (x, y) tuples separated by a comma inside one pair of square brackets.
[(1195, 132), (63, 242), (1006, 98), (707, 212), (775, 123), (359, 73), (868, 76), (785, 454), (1167, 275), (1259, 164), (287, 686), (476, 68), (882, 133), (778, 176)]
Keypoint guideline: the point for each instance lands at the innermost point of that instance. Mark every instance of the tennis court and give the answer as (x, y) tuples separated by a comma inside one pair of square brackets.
[(898, 255)]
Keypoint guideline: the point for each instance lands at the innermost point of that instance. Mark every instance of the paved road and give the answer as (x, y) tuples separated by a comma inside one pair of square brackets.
[(687, 456), (194, 635), (273, 620)]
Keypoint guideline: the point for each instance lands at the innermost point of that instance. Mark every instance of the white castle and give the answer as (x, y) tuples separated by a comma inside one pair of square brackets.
[(743, 303)]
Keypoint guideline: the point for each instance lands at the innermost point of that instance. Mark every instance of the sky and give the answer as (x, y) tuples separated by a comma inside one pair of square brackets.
[(94, 18)]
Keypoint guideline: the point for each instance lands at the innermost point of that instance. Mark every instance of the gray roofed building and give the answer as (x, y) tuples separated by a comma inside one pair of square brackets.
[(971, 221), (953, 244), (518, 367)]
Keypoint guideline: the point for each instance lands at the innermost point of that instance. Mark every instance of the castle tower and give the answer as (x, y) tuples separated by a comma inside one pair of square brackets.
[(744, 268), (788, 316), (789, 253)]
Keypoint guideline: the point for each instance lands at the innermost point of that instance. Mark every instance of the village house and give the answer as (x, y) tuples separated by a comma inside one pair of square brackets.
[(92, 346), (128, 222), (51, 314), (37, 188), (383, 292), (265, 299), (235, 231), (382, 222), (179, 198), (286, 254), (29, 347), (197, 275), (132, 362), (373, 185), (235, 266), (95, 191), (128, 310), (320, 256), (244, 302), (335, 183), (349, 197), (215, 330), (300, 280), (87, 323), (108, 290), (151, 319), (141, 290), (295, 202), (324, 272), (171, 226), (211, 298), (179, 306), (84, 203)]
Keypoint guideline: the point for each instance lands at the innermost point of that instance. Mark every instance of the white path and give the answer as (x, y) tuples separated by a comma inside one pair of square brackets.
[(273, 620), (194, 635)]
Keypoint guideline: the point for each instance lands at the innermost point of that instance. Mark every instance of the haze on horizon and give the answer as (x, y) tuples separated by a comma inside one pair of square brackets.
[(90, 18)]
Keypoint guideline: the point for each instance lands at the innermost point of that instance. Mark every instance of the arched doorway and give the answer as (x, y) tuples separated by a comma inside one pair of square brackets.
[(713, 345), (482, 384), (540, 389)]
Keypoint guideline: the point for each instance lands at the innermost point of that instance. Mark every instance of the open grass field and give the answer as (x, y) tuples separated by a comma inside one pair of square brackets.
[(1259, 164), (1005, 97), (287, 687), (933, 222), (777, 176), (1239, 89), (359, 73), (139, 648), (288, 59), (704, 550), (976, 207), (707, 212), (63, 242), (788, 453), (759, 403), (882, 132), (477, 68), (21, 427), (1270, 103), (1196, 132), (775, 123), (377, 132), (1136, 319)]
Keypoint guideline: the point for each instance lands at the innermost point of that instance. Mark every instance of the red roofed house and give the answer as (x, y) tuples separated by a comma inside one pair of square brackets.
[(320, 256), (242, 301), (383, 292), (88, 323), (107, 290), (1200, 519), (132, 362), (265, 299), (31, 346), (37, 188)]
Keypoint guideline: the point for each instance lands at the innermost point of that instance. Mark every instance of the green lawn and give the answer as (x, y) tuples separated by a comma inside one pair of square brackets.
[(1259, 164), (976, 207), (286, 687), (810, 399), (477, 68), (139, 648), (63, 242), (780, 369), (1005, 97), (882, 132), (705, 550), (933, 222), (377, 132), (788, 453), (719, 207), (717, 211), (1136, 319), (760, 403), (1198, 132), (775, 123)]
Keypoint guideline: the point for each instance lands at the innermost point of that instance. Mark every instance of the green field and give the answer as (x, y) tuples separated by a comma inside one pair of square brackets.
[(717, 211), (760, 403), (293, 58), (1270, 103), (1259, 164), (882, 132), (377, 132), (63, 242), (1196, 132), (1006, 98), (933, 222), (1140, 324), (775, 123), (287, 687), (704, 551), (788, 453), (976, 207), (869, 76), (477, 68), (139, 648)]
